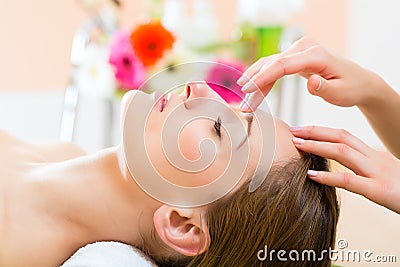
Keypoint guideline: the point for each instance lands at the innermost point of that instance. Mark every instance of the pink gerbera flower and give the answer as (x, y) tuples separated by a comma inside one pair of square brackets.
[(129, 70), (222, 79)]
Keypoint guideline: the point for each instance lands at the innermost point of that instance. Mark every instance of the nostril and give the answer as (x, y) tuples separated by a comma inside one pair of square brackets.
[(188, 90)]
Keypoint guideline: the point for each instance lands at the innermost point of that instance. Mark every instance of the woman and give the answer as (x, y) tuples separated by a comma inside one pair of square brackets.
[(55, 200)]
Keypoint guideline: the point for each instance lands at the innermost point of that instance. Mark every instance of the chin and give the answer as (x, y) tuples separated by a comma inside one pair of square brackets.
[(126, 100)]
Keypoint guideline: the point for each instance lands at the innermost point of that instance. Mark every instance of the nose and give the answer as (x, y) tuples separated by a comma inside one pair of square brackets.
[(199, 89)]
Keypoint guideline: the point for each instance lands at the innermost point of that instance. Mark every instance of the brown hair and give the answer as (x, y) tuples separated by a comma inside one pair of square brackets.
[(287, 212)]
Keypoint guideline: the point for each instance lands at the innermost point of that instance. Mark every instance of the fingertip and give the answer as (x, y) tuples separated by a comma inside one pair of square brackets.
[(256, 100), (245, 103), (295, 128), (241, 104), (298, 141), (248, 88), (312, 173), (245, 107), (242, 80), (314, 84)]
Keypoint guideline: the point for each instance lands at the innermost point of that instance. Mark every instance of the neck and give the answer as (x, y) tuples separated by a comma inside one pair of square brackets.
[(99, 197)]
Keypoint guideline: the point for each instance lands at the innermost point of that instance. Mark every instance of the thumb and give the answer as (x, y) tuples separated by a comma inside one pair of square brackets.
[(316, 84), (332, 91)]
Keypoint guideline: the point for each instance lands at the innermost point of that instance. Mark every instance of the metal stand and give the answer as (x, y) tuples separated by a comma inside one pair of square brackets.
[(288, 38), (107, 22), (81, 39)]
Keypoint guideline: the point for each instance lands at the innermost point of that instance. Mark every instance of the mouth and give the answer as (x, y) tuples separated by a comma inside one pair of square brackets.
[(161, 100)]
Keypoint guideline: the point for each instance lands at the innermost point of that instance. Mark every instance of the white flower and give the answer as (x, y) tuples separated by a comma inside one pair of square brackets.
[(95, 76), (267, 12), (92, 4)]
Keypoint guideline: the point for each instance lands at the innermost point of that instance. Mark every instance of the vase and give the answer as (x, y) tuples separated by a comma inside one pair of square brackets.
[(268, 38)]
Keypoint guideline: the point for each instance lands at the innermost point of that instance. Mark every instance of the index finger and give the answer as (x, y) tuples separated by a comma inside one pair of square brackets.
[(299, 45), (319, 133), (346, 180), (310, 61), (253, 69)]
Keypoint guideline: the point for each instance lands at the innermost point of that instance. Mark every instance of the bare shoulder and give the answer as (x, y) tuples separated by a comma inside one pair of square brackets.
[(51, 151), (58, 150), (4, 133), (8, 139)]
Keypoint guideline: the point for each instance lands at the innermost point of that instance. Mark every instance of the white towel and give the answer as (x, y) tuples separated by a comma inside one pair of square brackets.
[(108, 254)]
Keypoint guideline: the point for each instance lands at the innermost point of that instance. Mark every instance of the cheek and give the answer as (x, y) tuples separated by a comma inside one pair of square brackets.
[(190, 139), (189, 142)]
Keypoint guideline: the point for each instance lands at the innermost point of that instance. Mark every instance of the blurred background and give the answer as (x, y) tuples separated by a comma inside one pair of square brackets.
[(42, 65)]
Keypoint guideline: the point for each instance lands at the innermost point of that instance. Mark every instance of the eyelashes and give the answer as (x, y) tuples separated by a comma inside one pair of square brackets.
[(217, 126)]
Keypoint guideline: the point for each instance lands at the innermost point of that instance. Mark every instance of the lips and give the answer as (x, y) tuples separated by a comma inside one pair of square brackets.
[(161, 100)]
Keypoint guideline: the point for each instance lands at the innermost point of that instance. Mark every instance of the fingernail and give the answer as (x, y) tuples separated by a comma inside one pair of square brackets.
[(245, 107), (295, 128), (319, 85), (242, 80), (241, 104), (299, 141), (312, 173), (244, 100), (247, 88)]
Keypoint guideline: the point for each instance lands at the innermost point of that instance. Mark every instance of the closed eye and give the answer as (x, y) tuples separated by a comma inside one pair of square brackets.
[(217, 126)]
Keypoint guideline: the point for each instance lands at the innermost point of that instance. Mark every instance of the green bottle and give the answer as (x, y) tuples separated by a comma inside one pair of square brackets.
[(268, 39)]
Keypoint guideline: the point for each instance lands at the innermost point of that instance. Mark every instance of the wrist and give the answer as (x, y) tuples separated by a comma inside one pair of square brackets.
[(376, 92)]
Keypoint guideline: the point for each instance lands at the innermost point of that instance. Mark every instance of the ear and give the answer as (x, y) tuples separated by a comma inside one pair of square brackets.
[(184, 230)]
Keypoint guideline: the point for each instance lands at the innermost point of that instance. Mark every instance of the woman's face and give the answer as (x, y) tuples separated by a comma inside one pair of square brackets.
[(192, 138)]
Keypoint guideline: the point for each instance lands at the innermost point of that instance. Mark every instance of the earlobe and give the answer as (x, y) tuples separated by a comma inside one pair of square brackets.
[(184, 230)]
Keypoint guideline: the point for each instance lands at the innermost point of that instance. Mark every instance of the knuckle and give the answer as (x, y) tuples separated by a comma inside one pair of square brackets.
[(305, 42), (309, 130), (255, 67), (384, 162), (310, 145), (300, 42), (387, 156), (280, 63), (318, 50), (342, 149), (269, 58), (259, 81), (346, 179), (323, 176), (319, 55), (262, 61), (343, 134)]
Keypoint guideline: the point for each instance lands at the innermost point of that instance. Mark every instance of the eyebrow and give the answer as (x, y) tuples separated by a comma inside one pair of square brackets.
[(249, 118)]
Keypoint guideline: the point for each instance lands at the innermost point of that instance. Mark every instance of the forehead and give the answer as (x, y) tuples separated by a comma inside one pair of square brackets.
[(270, 142), (273, 134), (261, 145), (285, 149)]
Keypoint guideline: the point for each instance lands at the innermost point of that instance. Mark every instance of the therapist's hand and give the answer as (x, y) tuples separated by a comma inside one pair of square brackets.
[(335, 79), (376, 174)]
